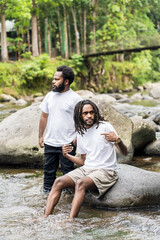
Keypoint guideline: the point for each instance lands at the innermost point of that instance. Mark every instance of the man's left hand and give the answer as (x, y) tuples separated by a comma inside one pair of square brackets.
[(110, 136)]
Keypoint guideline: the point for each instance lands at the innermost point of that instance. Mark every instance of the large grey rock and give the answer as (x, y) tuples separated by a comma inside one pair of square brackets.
[(143, 133), (20, 102), (86, 94), (155, 92), (19, 138), (135, 187), (6, 98), (153, 148)]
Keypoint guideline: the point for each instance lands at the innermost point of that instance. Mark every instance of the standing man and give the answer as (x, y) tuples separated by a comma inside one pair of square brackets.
[(98, 171), (57, 114)]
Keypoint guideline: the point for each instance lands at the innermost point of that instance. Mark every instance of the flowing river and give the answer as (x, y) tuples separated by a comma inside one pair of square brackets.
[(22, 200)]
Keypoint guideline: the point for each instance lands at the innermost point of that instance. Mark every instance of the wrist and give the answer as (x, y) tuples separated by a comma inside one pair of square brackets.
[(118, 140)]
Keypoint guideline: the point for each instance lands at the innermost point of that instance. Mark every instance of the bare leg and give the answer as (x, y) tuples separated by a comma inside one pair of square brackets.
[(55, 193), (82, 185)]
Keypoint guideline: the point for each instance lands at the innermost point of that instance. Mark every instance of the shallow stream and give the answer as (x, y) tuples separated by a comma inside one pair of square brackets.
[(22, 200)]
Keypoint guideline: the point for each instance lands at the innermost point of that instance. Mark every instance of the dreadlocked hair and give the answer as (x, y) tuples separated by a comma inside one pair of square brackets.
[(78, 120)]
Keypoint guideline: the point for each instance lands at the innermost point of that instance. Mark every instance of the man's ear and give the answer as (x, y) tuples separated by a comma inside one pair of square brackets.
[(66, 82)]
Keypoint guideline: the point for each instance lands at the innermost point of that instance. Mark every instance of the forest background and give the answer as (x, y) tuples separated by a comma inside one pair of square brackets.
[(49, 33)]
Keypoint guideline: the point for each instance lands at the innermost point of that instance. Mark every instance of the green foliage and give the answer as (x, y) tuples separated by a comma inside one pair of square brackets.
[(80, 69), (27, 55), (16, 45), (30, 75), (142, 68), (9, 75), (117, 76)]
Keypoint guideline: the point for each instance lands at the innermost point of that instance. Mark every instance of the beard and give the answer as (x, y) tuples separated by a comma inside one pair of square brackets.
[(60, 88), (89, 122)]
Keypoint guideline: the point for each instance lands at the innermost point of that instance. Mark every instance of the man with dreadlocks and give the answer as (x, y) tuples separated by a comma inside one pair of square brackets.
[(98, 172)]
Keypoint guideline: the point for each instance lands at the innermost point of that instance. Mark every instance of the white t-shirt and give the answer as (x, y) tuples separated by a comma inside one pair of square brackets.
[(60, 125), (99, 152)]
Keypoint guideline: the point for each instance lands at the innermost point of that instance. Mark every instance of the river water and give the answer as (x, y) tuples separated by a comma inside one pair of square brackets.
[(22, 200)]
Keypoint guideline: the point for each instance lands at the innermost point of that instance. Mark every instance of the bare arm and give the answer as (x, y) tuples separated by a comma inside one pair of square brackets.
[(112, 137), (68, 148), (42, 127)]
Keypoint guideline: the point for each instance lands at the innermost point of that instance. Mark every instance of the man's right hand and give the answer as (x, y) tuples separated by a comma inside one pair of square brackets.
[(66, 149), (41, 142)]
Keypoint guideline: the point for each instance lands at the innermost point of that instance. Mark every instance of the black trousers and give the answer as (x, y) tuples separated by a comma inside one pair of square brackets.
[(52, 156)]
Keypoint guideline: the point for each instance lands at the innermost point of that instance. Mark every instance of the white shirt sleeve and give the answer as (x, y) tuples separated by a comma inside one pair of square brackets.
[(44, 104)]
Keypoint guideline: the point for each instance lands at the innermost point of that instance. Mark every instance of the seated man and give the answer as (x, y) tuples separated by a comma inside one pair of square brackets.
[(98, 171)]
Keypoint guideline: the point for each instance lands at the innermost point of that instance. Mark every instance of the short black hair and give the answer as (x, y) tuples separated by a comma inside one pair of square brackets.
[(78, 120), (67, 73)]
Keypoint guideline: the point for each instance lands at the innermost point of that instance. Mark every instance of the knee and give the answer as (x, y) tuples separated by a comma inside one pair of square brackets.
[(58, 184), (80, 185)]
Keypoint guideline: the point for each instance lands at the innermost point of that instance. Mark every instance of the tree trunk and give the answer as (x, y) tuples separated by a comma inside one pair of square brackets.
[(28, 40), (46, 34), (60, 30), (76, 30), (39, 37), (69, 37), (4, 51), (49, 42), (84, 33), (93, 40), (80, 13), (35, 52), (66, 32)]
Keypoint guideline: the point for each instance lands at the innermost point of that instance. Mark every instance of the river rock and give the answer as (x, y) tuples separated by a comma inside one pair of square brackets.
[(19, 102), (118, 96), (153, 124), (103, 97), (155, 92), (143, 133), (6, 98), (19, 138), (135, 187), (153, 148), (156, 118), (38, 99), (137, 97), (86, 94)]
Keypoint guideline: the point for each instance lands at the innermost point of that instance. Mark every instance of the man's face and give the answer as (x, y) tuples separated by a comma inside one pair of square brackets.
[(58, 82), (88, 115)]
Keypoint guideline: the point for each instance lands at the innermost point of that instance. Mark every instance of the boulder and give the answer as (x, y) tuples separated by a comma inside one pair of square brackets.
[(19, 138), (135, 187), (153, 124), (19, 102), (143, 133), (118, 96), (155, 92), (137, 97), (6, 98), (86, 94), (153, 148)]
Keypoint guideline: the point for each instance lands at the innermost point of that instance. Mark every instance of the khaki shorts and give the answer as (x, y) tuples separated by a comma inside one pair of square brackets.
[(102, 178)]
